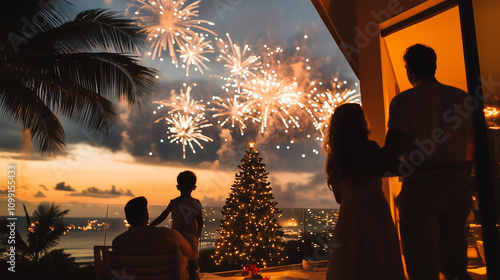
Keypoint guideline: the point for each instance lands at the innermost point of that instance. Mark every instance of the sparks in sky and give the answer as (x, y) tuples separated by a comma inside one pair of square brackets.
[(323, 104), (232, 111), (185, 129), (267, 89), (270, 96), (192, 53), (182, 103), (168, 24), (240, 63)]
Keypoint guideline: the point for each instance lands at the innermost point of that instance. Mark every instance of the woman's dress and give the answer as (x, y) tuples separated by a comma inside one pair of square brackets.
[(365, 243)]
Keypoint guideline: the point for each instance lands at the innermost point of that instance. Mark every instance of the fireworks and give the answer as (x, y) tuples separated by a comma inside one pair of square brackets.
[(233, 111), (240, 63), (192, 53), (186, 129), (277, 89), (168, 23), (268, 96), (182, 103), (323, 104)]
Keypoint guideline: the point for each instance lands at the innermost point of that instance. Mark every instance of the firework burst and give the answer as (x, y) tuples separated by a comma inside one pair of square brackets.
[(323, 104), (185, 129), (192, 53), (182, 103), (231, 110), (269, 96), (240, 63), (168, 23)]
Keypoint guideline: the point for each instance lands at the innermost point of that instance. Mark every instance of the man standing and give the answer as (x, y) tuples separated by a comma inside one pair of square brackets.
[(430, 130), (142, 239)]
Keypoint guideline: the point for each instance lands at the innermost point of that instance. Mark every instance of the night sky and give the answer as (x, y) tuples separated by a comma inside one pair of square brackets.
[(132, 161)]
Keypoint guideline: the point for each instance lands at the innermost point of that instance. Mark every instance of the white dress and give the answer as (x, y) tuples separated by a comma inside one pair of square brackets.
[(365, 243)]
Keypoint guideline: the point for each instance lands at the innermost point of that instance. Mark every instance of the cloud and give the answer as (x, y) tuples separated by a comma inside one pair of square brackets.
[(4, 192), (44, 187), (312, 192), (96, 192), (213, 202), (39, 194), (128, 193), (227, 153), (62, 187)]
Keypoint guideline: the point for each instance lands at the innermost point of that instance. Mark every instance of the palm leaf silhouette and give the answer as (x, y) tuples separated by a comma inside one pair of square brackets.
[(67, 67)]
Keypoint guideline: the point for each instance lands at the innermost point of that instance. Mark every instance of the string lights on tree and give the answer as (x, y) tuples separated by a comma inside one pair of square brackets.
[(250, 233)]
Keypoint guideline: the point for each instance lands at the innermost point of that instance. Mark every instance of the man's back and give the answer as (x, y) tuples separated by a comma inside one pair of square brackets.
[(437, 119), (152, 240), (149, 240)]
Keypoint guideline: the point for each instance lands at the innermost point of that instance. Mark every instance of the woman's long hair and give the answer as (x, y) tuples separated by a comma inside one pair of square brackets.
[(345, 144)]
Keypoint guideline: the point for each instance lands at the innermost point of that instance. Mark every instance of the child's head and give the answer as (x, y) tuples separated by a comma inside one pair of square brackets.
[(186, 181)]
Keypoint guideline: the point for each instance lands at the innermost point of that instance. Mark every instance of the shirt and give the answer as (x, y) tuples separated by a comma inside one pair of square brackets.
[(185, 212), (438, 119), (152, 240)]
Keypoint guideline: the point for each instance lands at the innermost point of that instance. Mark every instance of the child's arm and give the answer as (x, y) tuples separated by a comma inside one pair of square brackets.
[(162, 216), (200, 222)]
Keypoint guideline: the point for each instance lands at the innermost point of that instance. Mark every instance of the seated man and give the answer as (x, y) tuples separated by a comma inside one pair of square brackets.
[(142, 239)]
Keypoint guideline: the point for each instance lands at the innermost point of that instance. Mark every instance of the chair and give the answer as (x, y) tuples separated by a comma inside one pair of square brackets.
[(165, 266)]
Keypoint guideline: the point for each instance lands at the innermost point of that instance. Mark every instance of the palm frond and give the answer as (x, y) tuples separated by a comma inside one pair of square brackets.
[(41, 14), (84, 106), (23, 105), (75, 102), (108, 74), (65, 66), (91, 31), (28, 220)]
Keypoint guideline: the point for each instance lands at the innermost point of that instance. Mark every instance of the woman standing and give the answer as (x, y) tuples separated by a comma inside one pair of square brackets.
[(365, 242)]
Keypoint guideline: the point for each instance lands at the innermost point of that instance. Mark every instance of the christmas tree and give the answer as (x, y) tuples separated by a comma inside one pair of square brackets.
[(249, 231)]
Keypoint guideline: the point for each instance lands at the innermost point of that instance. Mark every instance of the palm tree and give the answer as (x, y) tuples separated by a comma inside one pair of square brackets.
[(49, 65), (45, 229)]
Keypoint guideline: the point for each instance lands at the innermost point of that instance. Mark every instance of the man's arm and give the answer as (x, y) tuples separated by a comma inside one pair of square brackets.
[(395, 143), (184, 246), (162, 216), (397, 138)]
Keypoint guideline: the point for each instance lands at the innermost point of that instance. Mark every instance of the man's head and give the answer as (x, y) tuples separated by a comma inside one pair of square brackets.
[(186, 181), (420, 62), (136, 212)]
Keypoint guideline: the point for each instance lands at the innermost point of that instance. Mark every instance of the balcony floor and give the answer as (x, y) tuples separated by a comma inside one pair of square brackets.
[(295, 272)]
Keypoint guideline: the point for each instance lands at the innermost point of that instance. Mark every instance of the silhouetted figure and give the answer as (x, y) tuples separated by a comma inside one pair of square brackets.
[(365, 243), (187, 217), (430, 129), (141, 239)]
